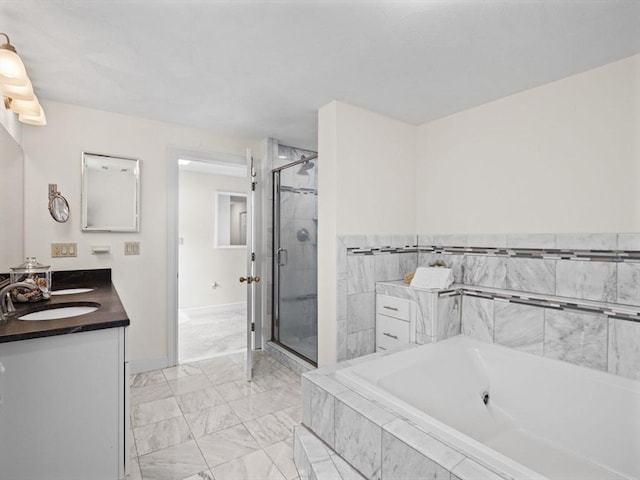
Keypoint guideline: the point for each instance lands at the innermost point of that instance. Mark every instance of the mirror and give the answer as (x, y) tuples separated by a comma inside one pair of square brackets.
[(59, 208), (231, 220), (110, 193)]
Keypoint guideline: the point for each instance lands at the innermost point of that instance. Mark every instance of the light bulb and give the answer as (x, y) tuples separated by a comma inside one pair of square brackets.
[(12, 71)]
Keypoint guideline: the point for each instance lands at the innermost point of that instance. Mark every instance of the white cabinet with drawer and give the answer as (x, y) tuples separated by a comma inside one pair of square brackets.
[(64, 407), (395, 322)]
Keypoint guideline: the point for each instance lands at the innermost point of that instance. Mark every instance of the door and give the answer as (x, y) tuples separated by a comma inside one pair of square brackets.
[(295, 254), (252, 278)]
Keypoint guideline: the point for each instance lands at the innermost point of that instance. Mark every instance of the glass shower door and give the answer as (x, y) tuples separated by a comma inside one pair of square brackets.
[(295, 243)]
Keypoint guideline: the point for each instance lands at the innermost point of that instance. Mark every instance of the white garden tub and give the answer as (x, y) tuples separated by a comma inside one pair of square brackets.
[(543, 418)]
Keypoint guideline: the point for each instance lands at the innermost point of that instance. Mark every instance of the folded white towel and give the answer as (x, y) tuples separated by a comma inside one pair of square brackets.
[(432, 277)]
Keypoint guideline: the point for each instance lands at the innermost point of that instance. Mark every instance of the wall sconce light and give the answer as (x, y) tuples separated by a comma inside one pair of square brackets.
[(16, 88)]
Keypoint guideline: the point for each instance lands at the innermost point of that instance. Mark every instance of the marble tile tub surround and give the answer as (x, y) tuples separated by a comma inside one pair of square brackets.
[(579, 336), (377, 443), (602, 267), (316, 461), (599, 267), (395, 255)]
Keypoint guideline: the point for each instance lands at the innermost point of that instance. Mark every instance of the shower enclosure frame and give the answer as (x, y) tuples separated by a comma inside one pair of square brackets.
[(275, 175)]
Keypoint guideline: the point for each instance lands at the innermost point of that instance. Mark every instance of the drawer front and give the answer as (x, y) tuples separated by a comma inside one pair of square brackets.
[(391, 332), (393, 307)]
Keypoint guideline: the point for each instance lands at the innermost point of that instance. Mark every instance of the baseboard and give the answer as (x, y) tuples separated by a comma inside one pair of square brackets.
[(215, 308), (148, 364)]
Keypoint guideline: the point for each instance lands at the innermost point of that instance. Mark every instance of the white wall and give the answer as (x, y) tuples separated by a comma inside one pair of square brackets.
[(12, 125), (11, 201), (201, 263), (365, 186), (563, 157), (327, 232), (53, 155), (376, 163)]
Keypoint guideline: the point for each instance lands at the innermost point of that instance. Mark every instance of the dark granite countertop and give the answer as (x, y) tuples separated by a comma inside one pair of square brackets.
[(110, 314)]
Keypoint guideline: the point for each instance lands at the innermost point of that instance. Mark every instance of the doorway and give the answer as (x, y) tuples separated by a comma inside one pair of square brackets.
[(212, 255)]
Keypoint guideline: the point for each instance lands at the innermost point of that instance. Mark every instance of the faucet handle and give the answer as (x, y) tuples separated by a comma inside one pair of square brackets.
[(10, 307)]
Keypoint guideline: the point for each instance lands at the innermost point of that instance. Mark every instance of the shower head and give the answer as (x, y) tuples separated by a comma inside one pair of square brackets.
[(308, 165)]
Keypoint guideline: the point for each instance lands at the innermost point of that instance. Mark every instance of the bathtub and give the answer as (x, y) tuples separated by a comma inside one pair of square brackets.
[(518, 414)]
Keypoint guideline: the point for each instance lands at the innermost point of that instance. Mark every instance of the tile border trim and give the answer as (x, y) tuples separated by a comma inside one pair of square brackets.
[(613, 256)]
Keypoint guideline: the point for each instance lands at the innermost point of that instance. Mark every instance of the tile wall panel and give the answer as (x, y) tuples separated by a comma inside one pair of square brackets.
[(519, 327), (579, 338)]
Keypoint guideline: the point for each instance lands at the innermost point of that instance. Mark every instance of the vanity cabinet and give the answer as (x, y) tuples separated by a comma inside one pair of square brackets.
[(395, 322), (63, 407)]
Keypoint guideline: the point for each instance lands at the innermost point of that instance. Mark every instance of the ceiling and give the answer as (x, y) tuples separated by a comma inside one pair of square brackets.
[(264, 68)]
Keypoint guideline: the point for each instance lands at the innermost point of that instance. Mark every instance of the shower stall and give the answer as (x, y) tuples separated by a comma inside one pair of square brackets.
[(295, 257)]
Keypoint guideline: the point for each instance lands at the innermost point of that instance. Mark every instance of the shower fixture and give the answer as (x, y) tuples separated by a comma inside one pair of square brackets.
[(308, 165)]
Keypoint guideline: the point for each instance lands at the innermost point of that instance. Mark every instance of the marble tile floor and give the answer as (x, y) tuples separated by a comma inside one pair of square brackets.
[(206, 333), (204, 421)]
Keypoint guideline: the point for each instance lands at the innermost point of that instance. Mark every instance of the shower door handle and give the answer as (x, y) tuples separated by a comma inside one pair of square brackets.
[(280, 253)]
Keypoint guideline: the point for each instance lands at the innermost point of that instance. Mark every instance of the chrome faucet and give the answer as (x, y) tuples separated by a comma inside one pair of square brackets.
[(6, 305)]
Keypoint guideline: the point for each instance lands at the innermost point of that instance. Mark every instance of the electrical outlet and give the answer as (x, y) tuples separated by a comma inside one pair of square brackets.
[(132, 248), (61, 250)]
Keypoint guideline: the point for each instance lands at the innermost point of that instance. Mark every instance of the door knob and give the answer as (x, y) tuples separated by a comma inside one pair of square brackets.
[(250, 279)]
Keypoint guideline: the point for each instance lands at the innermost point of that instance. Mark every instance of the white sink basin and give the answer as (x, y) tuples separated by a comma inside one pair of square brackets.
[(61, 312), (71, 291)]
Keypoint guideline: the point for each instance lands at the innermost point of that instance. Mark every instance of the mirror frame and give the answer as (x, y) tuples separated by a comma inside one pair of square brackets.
[(83, 196)]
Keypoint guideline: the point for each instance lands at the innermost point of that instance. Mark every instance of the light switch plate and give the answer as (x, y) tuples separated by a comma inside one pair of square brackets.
[(62, 250), (132, 248)]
